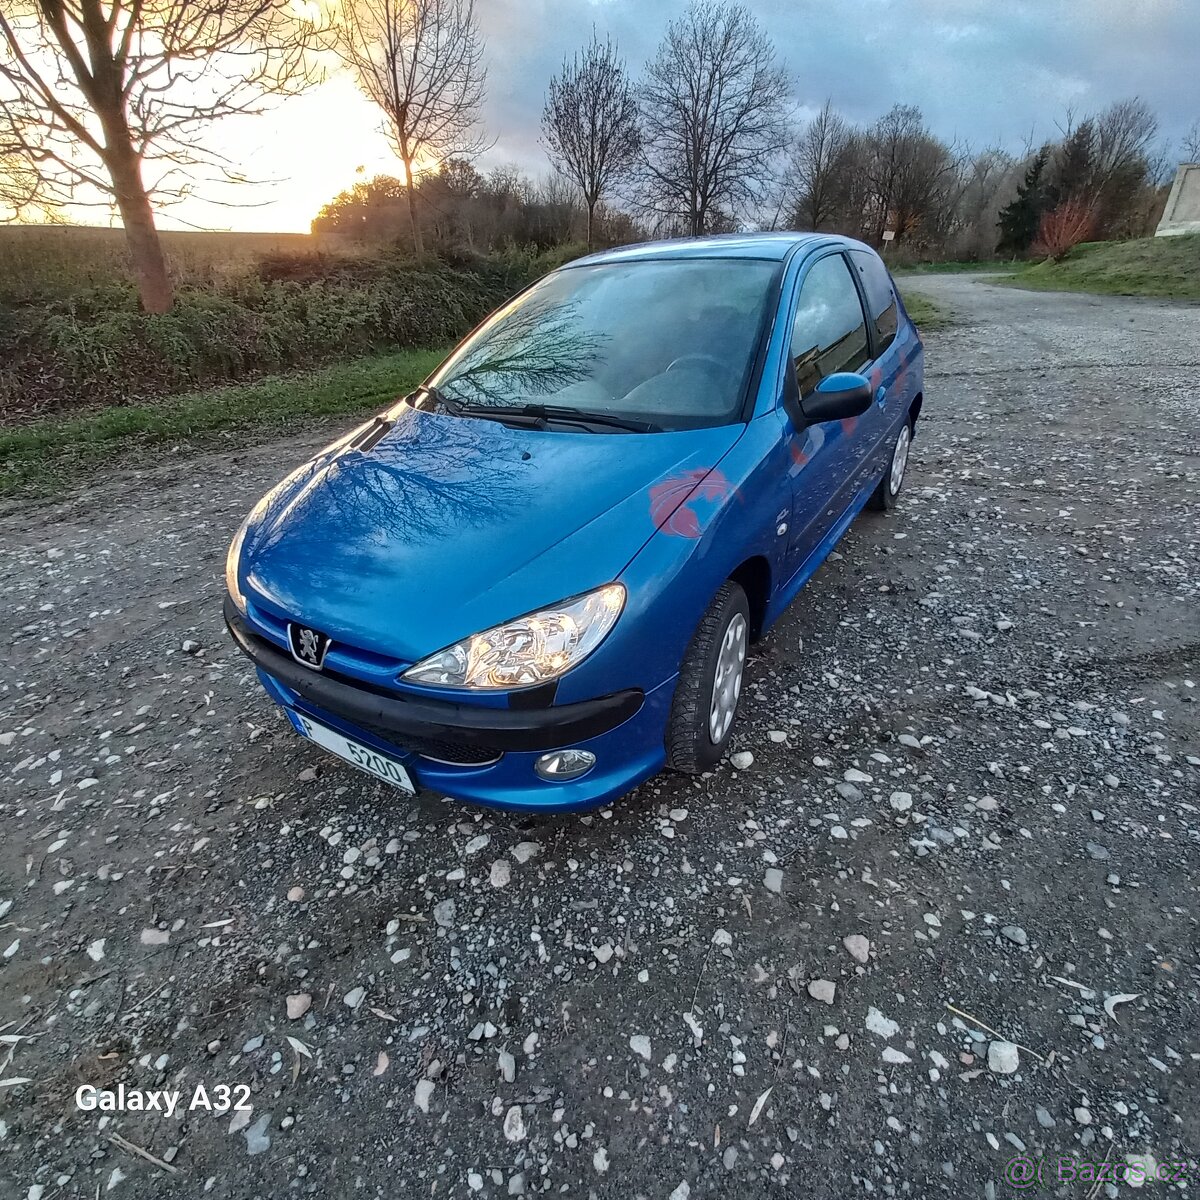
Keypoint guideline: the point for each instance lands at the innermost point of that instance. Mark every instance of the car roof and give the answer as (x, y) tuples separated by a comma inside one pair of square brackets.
[(777, 246)]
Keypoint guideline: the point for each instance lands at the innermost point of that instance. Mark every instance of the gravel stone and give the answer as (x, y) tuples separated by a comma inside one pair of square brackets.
[(1002, 1058), (822, 990), (858, 946)]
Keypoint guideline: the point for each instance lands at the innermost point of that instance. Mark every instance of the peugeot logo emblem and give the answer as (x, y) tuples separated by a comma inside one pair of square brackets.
[(308, 646)]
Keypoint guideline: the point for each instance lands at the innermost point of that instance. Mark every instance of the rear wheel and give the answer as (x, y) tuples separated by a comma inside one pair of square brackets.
[(710, 683), (888, 491)]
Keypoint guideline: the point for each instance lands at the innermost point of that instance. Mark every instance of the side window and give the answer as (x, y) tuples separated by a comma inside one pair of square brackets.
[(881, 295), (830, 334)]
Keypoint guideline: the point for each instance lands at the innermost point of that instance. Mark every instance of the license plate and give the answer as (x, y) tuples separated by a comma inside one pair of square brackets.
[(355, 753)]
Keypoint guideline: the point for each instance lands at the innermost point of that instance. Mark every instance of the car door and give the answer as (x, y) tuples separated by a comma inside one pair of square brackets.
[(829, 334), (886, 370)]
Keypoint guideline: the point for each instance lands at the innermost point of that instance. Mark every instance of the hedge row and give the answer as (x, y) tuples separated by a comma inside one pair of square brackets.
[(95, 347)]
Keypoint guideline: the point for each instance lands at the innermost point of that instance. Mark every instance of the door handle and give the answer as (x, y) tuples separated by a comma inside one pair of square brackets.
[(880, 394)]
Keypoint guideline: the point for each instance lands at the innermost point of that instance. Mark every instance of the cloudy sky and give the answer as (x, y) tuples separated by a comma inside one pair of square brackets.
[(983, 71)]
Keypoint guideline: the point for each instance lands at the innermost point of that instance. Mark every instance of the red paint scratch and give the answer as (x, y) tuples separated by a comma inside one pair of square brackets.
[(672, 500)]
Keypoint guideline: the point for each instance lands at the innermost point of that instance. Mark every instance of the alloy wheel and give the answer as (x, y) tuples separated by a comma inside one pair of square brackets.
[(727, 680), (899, 460)]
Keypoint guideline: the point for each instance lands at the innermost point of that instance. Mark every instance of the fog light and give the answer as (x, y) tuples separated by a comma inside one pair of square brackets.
[(565, 764)]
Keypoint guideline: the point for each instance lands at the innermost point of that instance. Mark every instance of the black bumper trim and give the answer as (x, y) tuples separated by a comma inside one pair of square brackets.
[(495, 728)]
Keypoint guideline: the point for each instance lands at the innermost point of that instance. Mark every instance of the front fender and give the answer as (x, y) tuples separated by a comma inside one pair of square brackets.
[(727, 516)]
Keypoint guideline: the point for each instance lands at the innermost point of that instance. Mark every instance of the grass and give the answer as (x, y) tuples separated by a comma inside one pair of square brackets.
[(926, 315), (48, 456), (1167, 267), (960, 268)]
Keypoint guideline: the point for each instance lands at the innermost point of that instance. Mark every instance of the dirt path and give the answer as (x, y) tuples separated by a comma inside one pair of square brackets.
[(976, 768)]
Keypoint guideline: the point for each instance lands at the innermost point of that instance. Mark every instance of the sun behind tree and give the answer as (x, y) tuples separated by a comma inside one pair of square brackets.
[(421, 62)]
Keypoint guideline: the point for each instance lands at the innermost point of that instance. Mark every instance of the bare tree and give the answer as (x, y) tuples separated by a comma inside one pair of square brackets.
[(714, 116), (815, 166), (1123, 165), (590, 123), (986, 183), (1191, 143), (890, 144), (98, 91), (1125, 133), (915, 178), (421, 62)]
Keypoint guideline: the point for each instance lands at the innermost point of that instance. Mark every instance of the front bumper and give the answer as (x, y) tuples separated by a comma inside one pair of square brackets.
[(494, 749)]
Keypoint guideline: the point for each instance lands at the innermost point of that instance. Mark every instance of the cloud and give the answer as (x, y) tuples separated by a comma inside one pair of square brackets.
[(981, 70)]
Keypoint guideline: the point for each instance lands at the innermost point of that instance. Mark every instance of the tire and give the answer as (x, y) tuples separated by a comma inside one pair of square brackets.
[(697, 733), (885, 496)]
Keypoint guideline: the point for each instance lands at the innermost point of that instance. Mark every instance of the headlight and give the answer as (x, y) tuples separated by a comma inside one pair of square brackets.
[(532, 649), (231, 566)]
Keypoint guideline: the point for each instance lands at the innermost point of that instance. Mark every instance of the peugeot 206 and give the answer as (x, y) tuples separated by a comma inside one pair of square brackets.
[(532, 582)]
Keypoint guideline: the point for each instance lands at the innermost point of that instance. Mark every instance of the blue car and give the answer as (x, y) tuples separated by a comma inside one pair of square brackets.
[(531, 584)]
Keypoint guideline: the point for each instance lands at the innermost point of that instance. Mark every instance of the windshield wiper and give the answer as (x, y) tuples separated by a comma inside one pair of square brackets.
[(534, 416), (538, 415), (562, 412)]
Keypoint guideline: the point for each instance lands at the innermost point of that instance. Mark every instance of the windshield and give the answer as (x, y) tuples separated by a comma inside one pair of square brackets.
[(669, 342)]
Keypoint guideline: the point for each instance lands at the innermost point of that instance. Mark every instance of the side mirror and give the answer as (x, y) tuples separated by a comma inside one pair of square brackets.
[(838, 397)]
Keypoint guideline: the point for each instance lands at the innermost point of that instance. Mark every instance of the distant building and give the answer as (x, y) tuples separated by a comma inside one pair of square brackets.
[(1182, 214)]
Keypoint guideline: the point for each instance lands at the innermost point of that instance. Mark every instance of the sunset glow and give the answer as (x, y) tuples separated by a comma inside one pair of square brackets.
[(300, 154)]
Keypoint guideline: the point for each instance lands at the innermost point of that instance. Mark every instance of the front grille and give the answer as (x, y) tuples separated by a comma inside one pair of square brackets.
[(442, 750)]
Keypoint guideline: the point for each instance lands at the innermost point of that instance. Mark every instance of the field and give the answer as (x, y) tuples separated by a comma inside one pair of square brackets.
[(42, 261), (273, 332)]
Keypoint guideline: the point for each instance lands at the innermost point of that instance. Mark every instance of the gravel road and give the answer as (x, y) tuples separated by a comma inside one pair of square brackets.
[(945, 922)]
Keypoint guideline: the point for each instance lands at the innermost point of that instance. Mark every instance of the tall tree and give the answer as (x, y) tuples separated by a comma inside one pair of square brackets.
[(714, 116), (421, 62), (985, 179), (590, 123), (1019, 221), (1073, 169), (102, 92), (915, 178), (1125, 147), (816, 165)]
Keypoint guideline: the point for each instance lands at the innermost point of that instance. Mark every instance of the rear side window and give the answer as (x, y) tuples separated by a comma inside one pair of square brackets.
[(881, 295), (830, 334)]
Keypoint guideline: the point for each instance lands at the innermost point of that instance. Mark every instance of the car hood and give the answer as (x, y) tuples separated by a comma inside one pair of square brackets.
[(450, 525)]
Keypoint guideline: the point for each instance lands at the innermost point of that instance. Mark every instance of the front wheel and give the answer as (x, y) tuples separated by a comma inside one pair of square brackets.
[(710, 684), (885, 495)]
